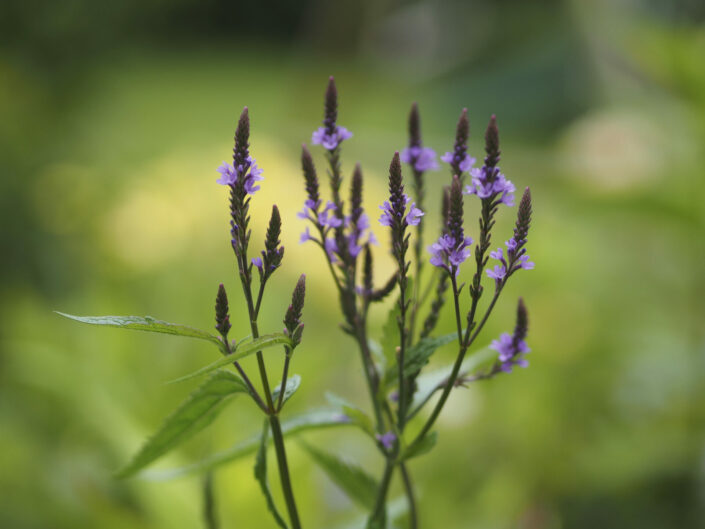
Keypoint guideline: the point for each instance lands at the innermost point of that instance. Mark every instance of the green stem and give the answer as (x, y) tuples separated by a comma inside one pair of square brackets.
[(409, 491), (378, 517), (278, 440), (209, 516)]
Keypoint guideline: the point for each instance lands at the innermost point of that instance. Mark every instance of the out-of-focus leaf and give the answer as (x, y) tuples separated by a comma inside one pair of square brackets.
[(246, 349), (356, 483), (261, 476), (146, 323), (356, 415), (420, 447), (429, 383), (417, 356), (396, 508), (314, 420), (292, 384), (192, 416)]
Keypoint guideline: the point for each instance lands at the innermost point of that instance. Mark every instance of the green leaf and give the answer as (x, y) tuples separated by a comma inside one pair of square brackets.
[(429, 383), (192, 416), (258, 344), (417, 356), (421, 446), (292, 384), (314, 420), (261, 475), (396, 509), (356, 415), (356, 483), (146, 323)]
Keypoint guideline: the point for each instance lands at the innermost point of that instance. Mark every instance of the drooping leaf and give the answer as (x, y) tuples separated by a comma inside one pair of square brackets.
[(314, 420), (192, 416), (146, 323), (353, 480), (429, 383), (292, 384), (421, 446), (356, 415), (246, 349), (261, 476)]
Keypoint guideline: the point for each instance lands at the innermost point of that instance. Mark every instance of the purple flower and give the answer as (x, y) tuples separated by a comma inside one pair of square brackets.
[(489, 182), (331, 249), (330, 141), (309, 210), (412, 218), (257, 261), (461, 160), (512, 347), (420, 158), (386, 440), (328, 218), (306, 236), (229, 175), (357, 232), (497, 273), (448, 253)]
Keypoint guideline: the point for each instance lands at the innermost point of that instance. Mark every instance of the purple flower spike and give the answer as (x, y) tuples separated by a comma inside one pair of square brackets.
[(516, 258), (386, 440), (464, 162), (330, 135), (391, 213), (305, 236), (452, 248), (512, 347)]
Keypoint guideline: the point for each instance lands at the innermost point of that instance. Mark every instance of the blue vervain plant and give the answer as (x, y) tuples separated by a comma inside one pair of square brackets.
[(399, 386)]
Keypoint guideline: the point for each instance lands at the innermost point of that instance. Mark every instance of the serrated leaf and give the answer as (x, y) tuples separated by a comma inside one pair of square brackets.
[(292, 384), (261, 475), (356, 415), (315, 420), (352, 479), (246, 349), (192, 416), (146, 323), (420, 446), (429, 383)]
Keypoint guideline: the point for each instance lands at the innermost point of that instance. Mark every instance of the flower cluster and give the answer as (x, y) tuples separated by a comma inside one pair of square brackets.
[(460, 161), (330, 135), (394, 213), (420, 158), (248, 171), (511, 348), (452, 248), (516, 258)]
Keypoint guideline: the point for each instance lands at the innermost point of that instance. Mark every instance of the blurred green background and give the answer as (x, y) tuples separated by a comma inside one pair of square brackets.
[(115, 116)]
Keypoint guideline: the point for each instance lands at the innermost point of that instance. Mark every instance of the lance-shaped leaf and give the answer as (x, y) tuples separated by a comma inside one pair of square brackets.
[(146, 323), (421, 446), (243, 350), (429, 383), (261, 476), (353, 413), (193, 415), (315, 420), (358, 484), (292, 384), (417, 355)]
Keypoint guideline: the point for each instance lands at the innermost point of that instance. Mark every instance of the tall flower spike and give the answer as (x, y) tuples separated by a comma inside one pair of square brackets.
[(394, 210), (414, 126), (487, 181), (330, 135), (419, 157), (292, 320), (512, 348), (460, 161), (222, 316), (241, 151), (273, 251), (452, 248)]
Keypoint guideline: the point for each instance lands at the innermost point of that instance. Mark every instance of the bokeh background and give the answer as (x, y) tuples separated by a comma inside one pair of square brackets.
[(115, 116)]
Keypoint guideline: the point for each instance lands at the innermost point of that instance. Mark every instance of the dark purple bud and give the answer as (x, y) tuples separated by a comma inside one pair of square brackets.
[(367, 283), (292, 319), (445, 207), (273, 251), (455, 212), (331, 107), (241, 151), (492, 143), (222, 318), (356, 195), (396, 187), (521, 231), (414, 127), (310, 176), (522, 325)]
